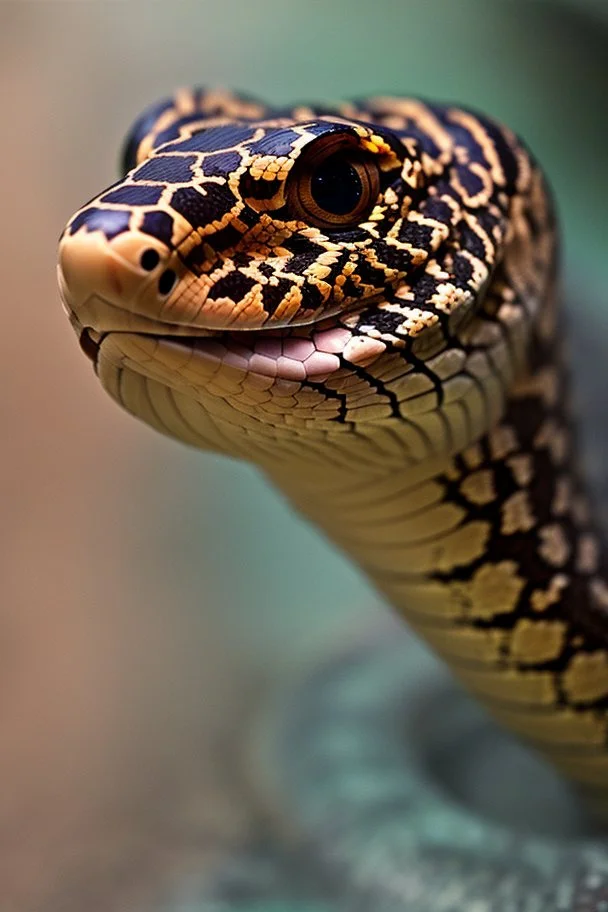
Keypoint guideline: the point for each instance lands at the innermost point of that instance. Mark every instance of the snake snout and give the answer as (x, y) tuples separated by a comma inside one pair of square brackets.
[(118, 283)]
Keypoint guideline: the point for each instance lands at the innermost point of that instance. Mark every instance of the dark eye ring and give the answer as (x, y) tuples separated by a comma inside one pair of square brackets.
[(334, 184)]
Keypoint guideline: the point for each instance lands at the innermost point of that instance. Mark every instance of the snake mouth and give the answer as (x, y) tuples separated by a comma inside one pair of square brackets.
[(300, 353), (90, 343)]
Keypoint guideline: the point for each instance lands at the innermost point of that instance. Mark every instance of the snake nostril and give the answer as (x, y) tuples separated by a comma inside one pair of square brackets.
[(149, 259), (166, 281)]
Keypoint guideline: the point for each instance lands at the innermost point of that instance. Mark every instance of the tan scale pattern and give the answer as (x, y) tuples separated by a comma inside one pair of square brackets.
[(416, 413)]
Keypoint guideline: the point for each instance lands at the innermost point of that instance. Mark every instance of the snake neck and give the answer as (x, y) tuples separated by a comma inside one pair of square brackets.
[(492, 556)]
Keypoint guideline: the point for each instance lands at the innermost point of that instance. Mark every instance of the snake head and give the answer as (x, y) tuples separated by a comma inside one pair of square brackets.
[(247, 253), (247, 225)]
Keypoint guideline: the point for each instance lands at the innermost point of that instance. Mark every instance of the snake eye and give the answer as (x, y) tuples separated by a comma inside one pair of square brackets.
[(334, 184)]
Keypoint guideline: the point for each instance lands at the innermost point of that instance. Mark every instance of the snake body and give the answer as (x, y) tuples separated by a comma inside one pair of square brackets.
[(362, 300)]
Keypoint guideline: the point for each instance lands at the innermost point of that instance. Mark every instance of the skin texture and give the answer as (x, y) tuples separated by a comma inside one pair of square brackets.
[(387, 351)]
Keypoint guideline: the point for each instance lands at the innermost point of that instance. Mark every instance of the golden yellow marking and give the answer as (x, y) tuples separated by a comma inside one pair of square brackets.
[(503, 441), (478, 488), (470, 123), (554, 548), (420, 114), (463, 642), (289, 306), (541, 599), (473, 456), (480, 198), (517, 514), (553, 437), (522, 468), (441, 601), (586, 677), (416, 321), (451, 472), (448, 297), (534, 642), (495, 589), (270, 167)]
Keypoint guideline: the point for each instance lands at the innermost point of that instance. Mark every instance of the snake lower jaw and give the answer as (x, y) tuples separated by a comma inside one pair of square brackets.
[(299, 355)]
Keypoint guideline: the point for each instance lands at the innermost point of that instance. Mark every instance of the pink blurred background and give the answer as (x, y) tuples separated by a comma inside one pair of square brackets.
[(114, 681)]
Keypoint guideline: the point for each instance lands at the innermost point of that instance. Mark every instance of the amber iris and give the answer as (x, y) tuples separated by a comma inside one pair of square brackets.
[(334, 185)]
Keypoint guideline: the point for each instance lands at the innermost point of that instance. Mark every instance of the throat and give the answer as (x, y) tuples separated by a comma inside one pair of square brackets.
[(492, 556)]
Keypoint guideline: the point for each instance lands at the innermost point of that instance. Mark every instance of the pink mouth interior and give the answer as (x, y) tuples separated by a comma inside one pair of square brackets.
[(286, 357)]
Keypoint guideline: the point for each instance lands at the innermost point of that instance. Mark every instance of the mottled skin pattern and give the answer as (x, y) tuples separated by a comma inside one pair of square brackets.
[(361, 300)]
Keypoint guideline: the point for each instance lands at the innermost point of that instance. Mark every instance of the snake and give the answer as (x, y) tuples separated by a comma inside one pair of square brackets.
[(362, 300)]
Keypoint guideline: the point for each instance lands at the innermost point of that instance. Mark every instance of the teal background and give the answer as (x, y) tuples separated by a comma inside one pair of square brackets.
[(152, 596)]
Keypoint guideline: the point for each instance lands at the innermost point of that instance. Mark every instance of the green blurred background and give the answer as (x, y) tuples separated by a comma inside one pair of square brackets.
[(144, 586)]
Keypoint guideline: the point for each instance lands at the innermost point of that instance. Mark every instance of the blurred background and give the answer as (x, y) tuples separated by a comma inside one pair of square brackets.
[(142, 586)]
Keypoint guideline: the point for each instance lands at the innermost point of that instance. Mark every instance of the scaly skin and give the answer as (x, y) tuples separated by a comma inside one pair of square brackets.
[(361, 300)]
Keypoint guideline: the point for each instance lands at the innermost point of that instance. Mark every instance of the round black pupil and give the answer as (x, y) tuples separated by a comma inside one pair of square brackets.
[(336, 186)]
